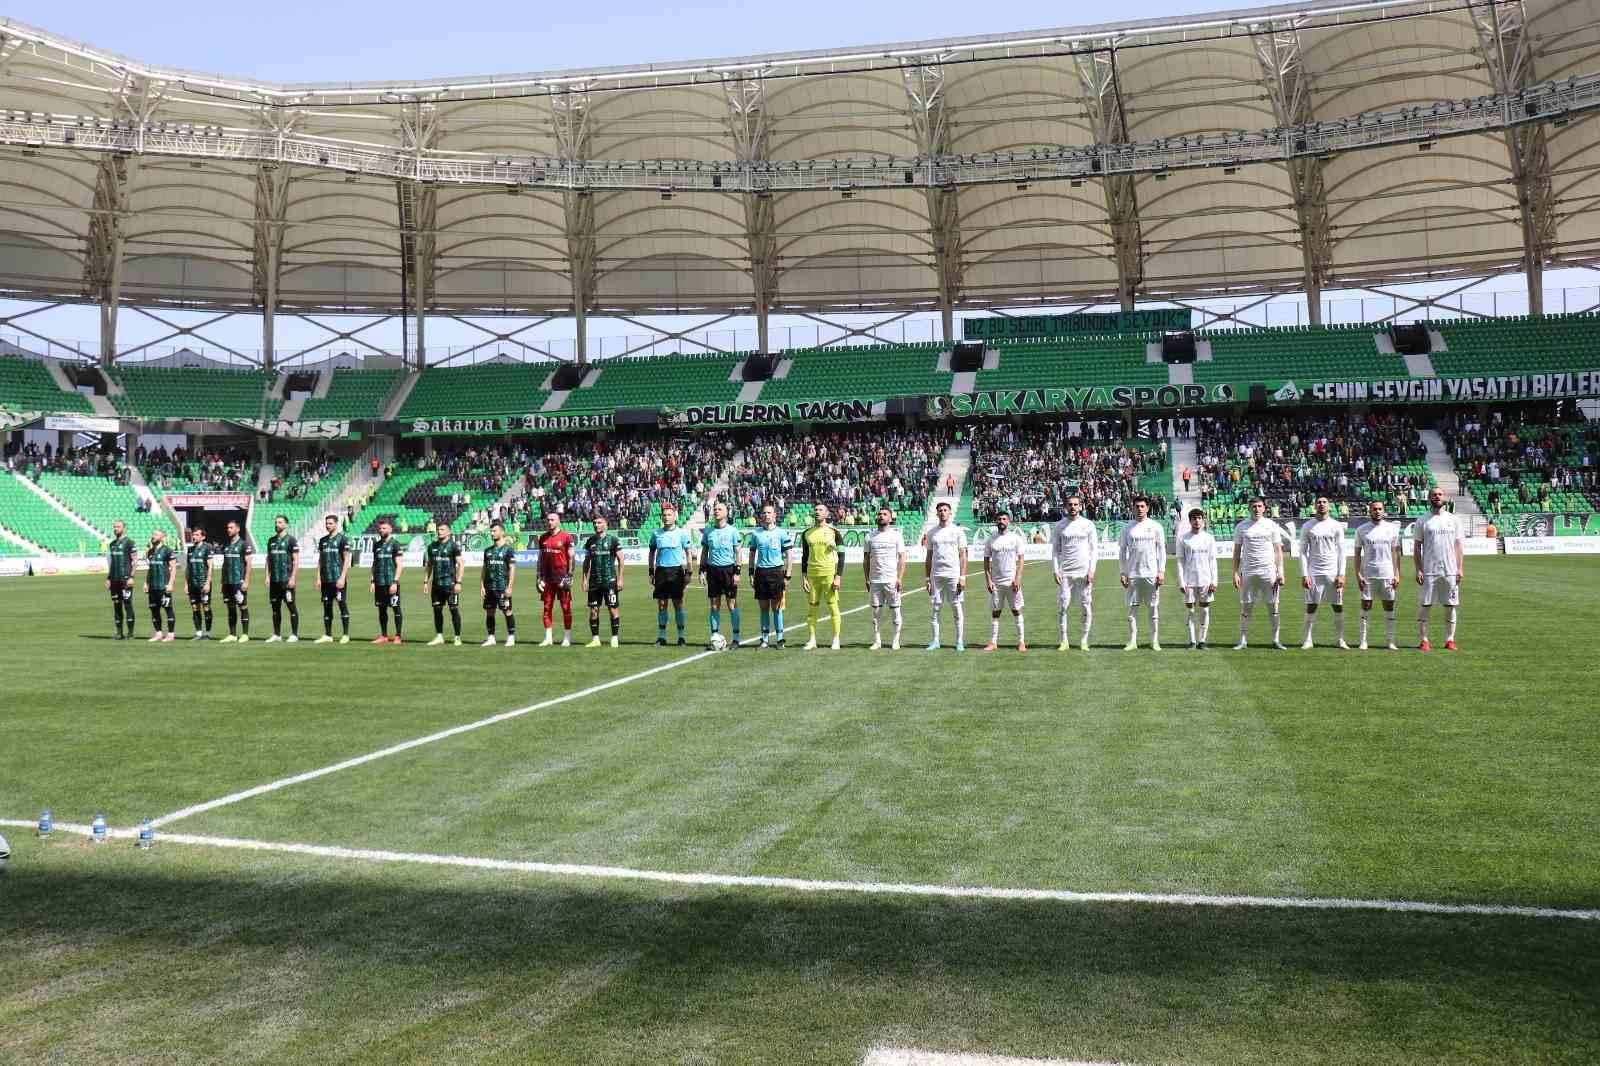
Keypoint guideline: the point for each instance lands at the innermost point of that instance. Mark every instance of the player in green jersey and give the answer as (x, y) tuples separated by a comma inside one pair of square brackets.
[(197, 576), (158, 584), (601, 577), (236, 585), (333, 574), (495, 582), (119, 577), (388, 560), (441, 561), (283, 566)]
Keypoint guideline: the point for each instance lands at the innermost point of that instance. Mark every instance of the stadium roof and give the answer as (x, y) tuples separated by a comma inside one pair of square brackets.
[(1279, 149)]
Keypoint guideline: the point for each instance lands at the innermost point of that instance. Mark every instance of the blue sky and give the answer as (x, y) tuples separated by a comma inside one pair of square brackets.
[(296, 40)]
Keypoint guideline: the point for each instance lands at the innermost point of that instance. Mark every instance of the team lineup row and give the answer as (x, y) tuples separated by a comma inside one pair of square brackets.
[(765, 554)]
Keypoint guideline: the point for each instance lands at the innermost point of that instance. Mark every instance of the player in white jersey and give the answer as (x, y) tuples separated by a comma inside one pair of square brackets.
[(1002, 573), (944, 568), (883, 565), (1438, 544), (1258, 569), (1197, 576), (1142, 556), (1075, 544), (1322, 563), (1378, 569)]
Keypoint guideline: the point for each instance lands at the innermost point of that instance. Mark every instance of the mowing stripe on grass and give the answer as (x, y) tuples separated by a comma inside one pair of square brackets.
[(862, 888), (445, 734)]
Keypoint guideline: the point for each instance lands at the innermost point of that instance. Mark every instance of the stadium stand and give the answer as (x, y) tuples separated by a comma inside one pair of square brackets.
[(100, 501), (217, 470), (26, 385), (1031, 472), (188, 392), (455, 487), (1517, 345), (311, 489), (1520, 468), (870, 372), (662, 381), (627, 481), (485, 389), (853, 471), (1291, 461), (1331, 353), (24, 514), (1110, 360), (353, 394)]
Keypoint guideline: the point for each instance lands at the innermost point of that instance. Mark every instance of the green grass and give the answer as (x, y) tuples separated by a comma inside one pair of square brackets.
[(1465, 778)]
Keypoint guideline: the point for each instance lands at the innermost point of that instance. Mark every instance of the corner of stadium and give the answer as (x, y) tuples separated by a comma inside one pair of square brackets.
[(1064, 547)]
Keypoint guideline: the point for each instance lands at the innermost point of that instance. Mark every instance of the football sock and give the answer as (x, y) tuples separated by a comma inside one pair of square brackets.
[(155, 617), (1205, 623), (172, 621), (1155, 617), (1245, 611), (383, 618), (897, 621), (294, 618), (733, 615), (1449, 622), (399, 620), (877, 615), (233, 618), (1133, 624), (679, 617), (1188, 623), (1338, 623), (1061, 617), (716, 621), (195, 613), (661, 622), (1277, 624), (488, 620), (116, 611), (455, 619), (766, 621), (277, 617), (1366, 617), (994, 628), (961, 624), (1388, 626), (835, 614), (594, 624), (1422, 622), (209, 617), (1088, 616), (777, 623), (327, 618), (438, 621), (511, 625), (938, 617), (1311, 624), (1018, 619), (616, 624)]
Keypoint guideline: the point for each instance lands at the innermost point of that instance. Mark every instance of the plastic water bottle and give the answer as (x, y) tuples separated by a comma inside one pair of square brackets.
[(147, 834), (97, 829), (47, 825)]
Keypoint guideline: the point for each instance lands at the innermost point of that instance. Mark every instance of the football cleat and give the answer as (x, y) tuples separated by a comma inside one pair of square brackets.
[(876, 645), (170, 637), (960, 646), (325, 639), (1130, 646), (661, 642), (1193, 646), (895, 646), (511, 640), (1449, 645), (244, 638), (1362, 646), (198, 636), (1083, 645), (1307, 646), (1343, 646), (1241, 646), (1155, 645), (274, 639), (294, 638), (155, 638), (549, 639), (1424, 646), (991, 646), (344, 638), (1393, 646), (934, 646), (397, 639), (811, 645), (437, 640), (1278, 646), (594, 642), (835, 645), (614, 642), (1021, 646), (682, 643), (489, 642), (381, 640), (457, 642), (1065, 645)]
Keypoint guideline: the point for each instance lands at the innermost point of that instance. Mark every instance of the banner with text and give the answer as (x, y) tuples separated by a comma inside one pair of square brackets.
[(1563, 385), (1001, 403), (1016, 327), (500, 425), (313, 429), (769, 414)]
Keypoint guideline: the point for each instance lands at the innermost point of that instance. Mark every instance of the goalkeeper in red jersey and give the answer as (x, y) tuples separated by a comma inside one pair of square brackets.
[(557, 548)]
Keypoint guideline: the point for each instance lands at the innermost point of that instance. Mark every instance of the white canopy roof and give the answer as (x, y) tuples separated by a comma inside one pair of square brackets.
[(1071, 165)]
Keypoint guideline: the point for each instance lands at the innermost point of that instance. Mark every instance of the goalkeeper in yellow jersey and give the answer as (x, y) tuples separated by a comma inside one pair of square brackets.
[(819, 568)]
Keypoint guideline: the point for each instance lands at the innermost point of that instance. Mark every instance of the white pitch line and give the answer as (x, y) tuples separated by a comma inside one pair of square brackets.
[(445, 734), (861, 888), (905, 1056)]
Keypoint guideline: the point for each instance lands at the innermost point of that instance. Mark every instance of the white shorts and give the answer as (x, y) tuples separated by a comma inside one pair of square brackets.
[(1255, 588), (1074, 589), (1323, 590), (1004, 594), (1143, 590), (946, 590), (883, 592), (1194, 594), (1441, 590), (1381, 588)]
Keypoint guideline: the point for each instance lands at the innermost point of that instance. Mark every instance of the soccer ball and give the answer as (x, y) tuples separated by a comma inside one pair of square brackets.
[(719, 642), (5, 852)]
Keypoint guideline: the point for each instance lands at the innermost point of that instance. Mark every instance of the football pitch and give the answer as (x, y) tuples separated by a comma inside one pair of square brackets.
[(644, 855)]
